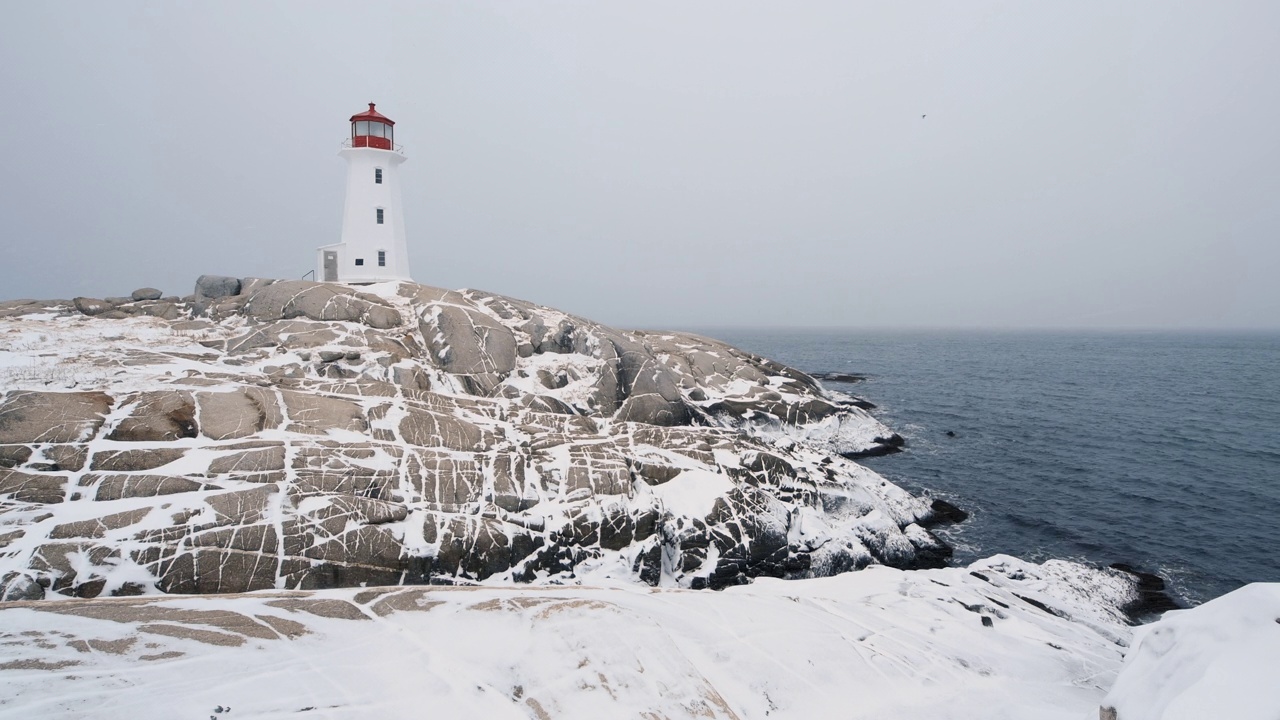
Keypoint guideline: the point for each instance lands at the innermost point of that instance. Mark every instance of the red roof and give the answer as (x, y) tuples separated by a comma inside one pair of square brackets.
[(372, 114)]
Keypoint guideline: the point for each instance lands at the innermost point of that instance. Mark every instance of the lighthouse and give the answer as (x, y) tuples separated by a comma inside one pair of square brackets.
[(372, 248)]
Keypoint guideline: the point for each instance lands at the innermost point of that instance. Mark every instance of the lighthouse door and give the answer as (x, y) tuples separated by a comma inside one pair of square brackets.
[(330, 266)]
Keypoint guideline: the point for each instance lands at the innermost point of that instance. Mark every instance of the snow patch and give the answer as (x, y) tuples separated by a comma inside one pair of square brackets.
[(693, 493)]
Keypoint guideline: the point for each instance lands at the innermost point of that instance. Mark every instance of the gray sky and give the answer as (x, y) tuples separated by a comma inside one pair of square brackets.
[(675, 164)]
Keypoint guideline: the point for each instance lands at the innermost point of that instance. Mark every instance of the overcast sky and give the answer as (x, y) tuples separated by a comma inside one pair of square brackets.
[(995, 164)]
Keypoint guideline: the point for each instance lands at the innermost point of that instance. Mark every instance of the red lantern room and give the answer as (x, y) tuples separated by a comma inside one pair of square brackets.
[(372, 129)]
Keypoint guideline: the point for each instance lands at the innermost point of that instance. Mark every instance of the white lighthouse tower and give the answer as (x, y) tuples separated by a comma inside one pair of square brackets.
[(372, 248)]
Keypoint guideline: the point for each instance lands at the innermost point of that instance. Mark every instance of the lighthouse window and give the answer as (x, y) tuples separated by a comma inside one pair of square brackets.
[(377, 175), (362, 127), (382, 258), (379, 216), (360, 261)]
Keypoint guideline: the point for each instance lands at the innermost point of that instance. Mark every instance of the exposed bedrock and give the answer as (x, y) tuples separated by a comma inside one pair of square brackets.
[(266, 434)]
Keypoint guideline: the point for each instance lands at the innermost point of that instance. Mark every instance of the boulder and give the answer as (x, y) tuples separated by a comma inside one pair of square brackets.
[(251, 285), (210, 287), (146, 293), (162, 310), (92, 306)]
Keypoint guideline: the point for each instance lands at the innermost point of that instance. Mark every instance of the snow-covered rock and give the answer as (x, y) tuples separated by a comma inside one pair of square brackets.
[(304, 435), (1218, 660), (1002, 639)]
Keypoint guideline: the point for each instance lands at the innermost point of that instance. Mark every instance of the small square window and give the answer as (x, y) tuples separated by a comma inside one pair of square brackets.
[(379, 216), (359, 261), (382, 258), (377, 175)]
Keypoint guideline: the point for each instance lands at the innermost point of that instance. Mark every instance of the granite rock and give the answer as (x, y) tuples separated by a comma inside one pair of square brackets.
[(312, 435)]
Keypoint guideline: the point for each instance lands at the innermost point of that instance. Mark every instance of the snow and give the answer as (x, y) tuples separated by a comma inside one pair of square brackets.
[(877, 643), (693, 493), (1218, 660), (64, 352), (880, 643)]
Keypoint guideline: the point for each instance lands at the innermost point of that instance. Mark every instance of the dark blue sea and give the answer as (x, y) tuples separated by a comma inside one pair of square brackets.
[(1161, 450)]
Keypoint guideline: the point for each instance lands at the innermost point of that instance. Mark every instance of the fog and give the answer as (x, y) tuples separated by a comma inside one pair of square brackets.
[(923, 164)]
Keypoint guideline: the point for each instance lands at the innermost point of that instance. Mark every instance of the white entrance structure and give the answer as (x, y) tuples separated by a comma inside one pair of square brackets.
[(373, 247)]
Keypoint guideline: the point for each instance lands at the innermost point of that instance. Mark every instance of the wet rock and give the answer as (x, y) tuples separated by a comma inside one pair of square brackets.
[(941, 511), (881, 446), (1152, 598)]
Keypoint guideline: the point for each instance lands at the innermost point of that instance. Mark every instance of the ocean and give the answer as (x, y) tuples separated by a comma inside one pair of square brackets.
[(1156, 449)]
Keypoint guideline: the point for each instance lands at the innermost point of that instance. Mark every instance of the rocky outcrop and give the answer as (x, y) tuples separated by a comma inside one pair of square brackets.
[(319, 301), (268, 434)]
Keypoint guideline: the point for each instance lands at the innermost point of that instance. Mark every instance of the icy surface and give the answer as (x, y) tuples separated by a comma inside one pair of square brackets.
[(1218, 660), (882, 643)]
